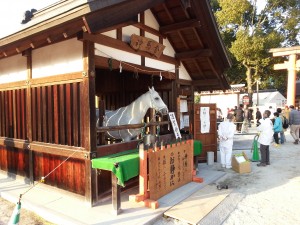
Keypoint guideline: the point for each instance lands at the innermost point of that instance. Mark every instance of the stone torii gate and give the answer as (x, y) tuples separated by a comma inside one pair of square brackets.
[(292, 66)]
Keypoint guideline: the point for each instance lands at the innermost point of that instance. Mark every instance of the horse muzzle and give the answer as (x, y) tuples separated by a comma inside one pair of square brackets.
[(164, 111)]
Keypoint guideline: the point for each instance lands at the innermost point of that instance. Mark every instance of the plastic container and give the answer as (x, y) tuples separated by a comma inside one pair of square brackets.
[(210, 158)]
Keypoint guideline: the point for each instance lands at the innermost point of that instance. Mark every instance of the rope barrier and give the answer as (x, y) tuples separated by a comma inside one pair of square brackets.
[(42, 180), (136, 68), (15, 218)]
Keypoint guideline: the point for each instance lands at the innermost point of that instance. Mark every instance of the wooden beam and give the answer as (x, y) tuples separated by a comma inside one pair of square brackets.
[(281, 66), (285, 51), (179, 26), (132, 22), (148, 29), (208, 82), (53, 149), (101, 62), (193, 54), (118, 13), (285, 65), (120, 45), (185, 82)]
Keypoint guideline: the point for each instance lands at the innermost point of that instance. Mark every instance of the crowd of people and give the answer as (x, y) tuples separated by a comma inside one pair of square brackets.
[(271, 125)]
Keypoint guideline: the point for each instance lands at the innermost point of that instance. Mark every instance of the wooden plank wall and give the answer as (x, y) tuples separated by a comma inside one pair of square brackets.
[(13, 114), (56, 119), (56, 114)]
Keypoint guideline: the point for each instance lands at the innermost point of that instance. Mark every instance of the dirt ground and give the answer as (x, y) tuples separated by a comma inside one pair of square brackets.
[(26, 217)]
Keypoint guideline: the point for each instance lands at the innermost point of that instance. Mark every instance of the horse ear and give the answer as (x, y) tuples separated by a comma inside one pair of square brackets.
[(151, 89)]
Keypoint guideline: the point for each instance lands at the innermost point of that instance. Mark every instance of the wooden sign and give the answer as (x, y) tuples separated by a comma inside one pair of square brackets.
[(170, 168), (174, 125), (246, 100), (147, 45)]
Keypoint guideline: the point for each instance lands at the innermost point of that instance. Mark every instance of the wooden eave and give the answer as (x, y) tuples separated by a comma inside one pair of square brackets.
[(190, 28)]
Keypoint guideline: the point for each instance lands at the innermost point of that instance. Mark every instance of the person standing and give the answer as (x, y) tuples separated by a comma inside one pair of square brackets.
[(226, 132), (239, 117), (219, 116), (272, 110), (258, 116), (294, 121), (265, 138), (286, 112), (250, 117), (282, 136), (277, 128), (245, 122)]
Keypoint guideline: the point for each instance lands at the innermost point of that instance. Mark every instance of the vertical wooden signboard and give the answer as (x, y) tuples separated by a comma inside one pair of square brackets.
[(209, 140), (170, 168)]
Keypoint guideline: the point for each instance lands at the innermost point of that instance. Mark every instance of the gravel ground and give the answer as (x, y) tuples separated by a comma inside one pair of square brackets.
[(268, 195)]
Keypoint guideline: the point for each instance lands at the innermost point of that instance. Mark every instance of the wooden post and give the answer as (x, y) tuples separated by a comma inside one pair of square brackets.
[(88, 118), (28, 113), (116, 195), (143, 177), (291, 89), (291, 66)]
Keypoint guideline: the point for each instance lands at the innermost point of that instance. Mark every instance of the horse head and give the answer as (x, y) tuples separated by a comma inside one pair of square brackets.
[(157, 103)]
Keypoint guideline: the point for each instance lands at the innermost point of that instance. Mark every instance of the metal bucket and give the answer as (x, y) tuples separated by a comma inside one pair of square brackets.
[(210, 158)]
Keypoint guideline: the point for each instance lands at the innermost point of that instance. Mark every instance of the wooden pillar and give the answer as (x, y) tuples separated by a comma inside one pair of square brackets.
[(173, 106), (88, 118), (28, 55), (291, 86)]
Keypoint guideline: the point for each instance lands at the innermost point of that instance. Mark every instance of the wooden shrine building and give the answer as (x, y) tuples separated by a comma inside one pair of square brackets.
[(73, 52)]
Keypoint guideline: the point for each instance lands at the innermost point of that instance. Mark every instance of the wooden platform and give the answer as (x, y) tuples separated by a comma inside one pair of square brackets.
[(198, 205)]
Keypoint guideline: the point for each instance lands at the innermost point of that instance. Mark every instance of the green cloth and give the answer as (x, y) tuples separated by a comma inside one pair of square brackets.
[(197, 147), (128, 165)]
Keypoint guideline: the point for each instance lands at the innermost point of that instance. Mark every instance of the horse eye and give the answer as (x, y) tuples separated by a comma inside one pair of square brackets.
[(156, 98)]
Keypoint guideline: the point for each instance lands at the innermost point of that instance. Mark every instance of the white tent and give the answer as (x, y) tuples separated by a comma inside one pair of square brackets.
[(269, 98), (229, 100)]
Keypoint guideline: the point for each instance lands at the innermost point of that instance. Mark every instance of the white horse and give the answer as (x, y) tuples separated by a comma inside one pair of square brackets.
[(133, 114)]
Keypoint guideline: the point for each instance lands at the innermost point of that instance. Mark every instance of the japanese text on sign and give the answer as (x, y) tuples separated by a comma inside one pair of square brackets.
[(174, 125)]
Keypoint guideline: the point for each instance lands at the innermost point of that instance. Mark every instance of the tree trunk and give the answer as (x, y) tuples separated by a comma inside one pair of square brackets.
[(249, 84)]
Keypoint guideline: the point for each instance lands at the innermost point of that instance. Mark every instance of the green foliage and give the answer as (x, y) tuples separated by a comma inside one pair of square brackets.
[(197, 99), (249, 34)]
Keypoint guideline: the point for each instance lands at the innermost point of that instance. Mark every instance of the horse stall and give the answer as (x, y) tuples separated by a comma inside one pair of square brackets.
[(114, 91), (65, 69)]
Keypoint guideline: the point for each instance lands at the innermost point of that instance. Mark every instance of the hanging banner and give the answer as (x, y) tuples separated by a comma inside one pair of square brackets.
[(174, 125), (146, 45), (204, 120)]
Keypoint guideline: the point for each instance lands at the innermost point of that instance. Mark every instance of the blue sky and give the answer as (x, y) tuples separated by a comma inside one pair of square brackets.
[(12, 11)]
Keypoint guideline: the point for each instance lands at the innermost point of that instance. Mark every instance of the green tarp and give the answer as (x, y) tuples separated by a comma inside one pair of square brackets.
[(197, 147), (125, 165)]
